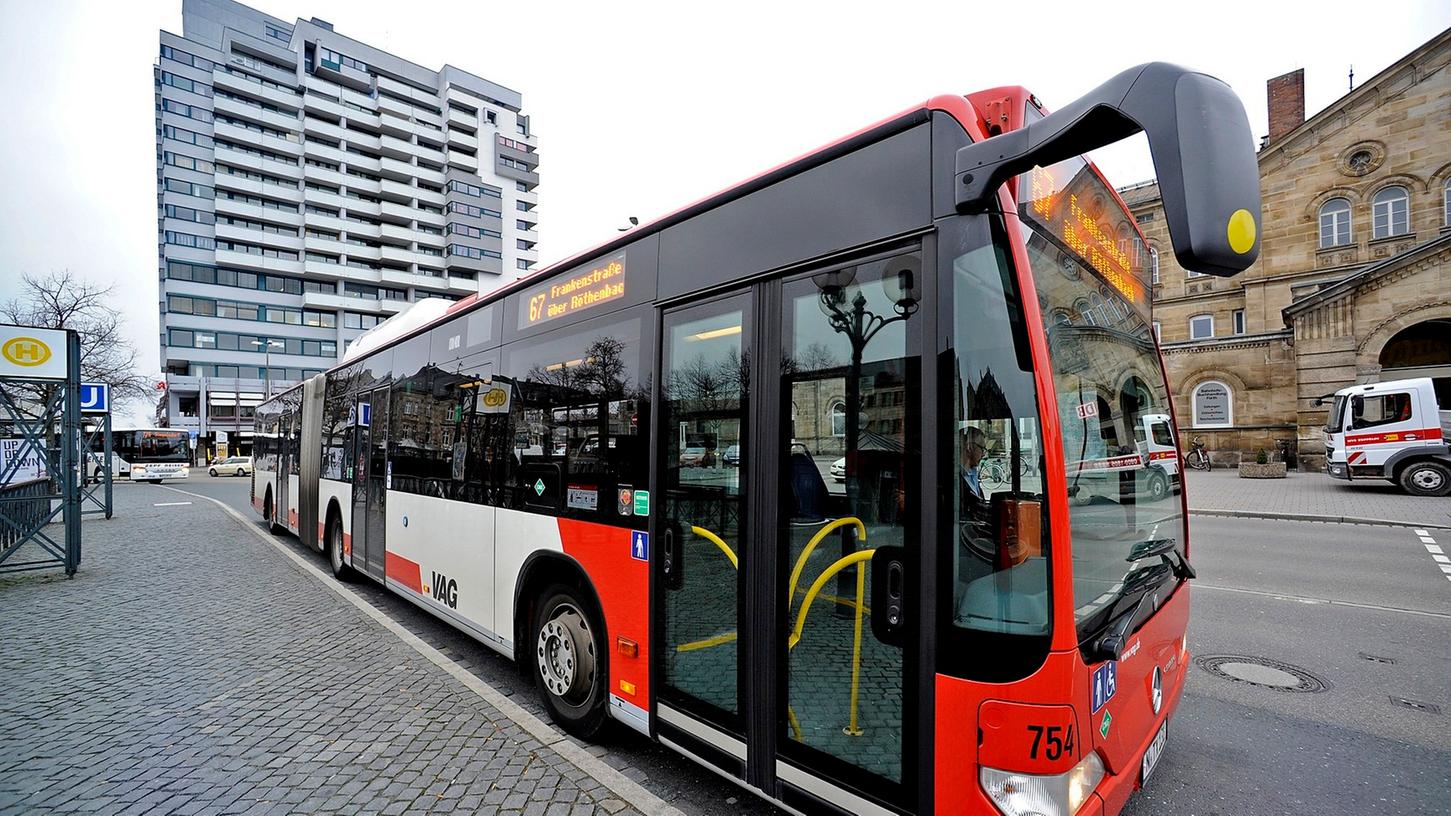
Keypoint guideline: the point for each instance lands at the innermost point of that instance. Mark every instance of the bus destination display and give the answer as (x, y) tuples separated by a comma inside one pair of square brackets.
[(570, 294), (1071, 203)]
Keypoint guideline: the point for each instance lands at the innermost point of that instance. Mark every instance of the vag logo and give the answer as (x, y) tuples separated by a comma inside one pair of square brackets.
[(445, 590), (26, 351)]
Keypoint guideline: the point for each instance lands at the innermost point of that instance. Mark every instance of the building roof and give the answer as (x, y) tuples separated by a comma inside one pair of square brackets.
[(1353, 281), (1141, 193)]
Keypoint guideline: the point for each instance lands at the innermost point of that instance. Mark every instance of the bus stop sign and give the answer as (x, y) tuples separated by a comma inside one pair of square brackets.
[(95, 398)]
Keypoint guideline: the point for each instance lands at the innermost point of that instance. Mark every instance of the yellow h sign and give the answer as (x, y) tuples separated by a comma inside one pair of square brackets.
[(26, 351)]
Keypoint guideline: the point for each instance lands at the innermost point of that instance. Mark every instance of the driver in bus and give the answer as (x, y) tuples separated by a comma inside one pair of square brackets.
[(972, 500)]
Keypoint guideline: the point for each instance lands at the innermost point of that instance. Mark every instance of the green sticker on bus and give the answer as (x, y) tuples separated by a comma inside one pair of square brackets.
[(539, 487), (1107, 719), (642, 502)]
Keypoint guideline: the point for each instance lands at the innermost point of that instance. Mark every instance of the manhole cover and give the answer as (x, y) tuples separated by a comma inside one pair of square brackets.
[(1262, 672)]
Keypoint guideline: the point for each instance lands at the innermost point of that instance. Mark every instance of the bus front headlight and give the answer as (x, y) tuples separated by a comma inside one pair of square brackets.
[(1020, 794)]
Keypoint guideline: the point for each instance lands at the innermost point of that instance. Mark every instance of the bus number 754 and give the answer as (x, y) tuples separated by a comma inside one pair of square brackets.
[(1057, 745)]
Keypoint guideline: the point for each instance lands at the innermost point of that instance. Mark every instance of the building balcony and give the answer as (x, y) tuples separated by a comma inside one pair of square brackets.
[(358, 229), (256, 90), (356, 138), (477, 265), (342, 74), (358, 206), (465, 286), (258, 188), (332, 201), (391, 107), (427, 196), (435, 177), (359, 184), (239, 209), (395, 147), (397, 213), (242, 135), (459, 138), (357, 161), (321, 152), (399, 234), (463, 161), (427, 153), (396, 169), (229, 232), (460, 119), (392, 307), (428, 239), (393, 277), (397, 191), (257, 263), (336, 178), (391, 125), (430, 218), (327, 130), (365, 120), (398, 255), (328, 300), (315, 103), (251, 113)]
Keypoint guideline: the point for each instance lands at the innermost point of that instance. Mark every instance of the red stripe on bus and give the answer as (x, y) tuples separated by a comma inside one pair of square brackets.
[(403, 571), (623, 586), (1416, 435)]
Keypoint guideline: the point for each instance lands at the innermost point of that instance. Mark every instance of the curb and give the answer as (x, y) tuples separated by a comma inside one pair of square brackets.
[(1312, 517)]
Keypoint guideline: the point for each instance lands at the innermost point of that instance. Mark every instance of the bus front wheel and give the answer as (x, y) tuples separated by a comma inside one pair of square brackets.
[(341, 570), (570, 667)]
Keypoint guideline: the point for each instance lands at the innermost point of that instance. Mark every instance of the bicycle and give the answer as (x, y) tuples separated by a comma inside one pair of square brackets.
[(1197, 457)]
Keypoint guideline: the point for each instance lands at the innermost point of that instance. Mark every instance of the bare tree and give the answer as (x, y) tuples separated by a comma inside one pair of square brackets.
[(61, 300)]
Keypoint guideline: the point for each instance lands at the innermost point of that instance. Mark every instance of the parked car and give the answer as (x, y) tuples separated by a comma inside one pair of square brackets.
[(692, 457), (732, 456), (232, 466), (838, 469)]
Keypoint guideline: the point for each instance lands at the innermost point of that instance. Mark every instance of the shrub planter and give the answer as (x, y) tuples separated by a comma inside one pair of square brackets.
[(1271, 470)]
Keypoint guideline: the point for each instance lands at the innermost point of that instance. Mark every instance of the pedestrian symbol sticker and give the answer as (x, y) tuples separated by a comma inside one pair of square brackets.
[(1105, 684), (639, 545), (1107, 720), (539, 487)]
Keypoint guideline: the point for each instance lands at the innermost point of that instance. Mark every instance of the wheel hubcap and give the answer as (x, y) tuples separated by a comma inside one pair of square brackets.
[(565, 655), (1426, 479)]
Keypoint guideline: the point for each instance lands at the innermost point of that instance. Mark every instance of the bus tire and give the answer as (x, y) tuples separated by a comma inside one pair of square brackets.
[(272, 526), (571, 667), (1426, 477), (334, 535)]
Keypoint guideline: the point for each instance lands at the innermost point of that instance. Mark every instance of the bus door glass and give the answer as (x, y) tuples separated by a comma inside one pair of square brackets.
[(704, 393), (849, 441)]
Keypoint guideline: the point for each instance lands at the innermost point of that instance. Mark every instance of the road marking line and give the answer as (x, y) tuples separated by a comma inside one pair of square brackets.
[(1445, 567), (626, 788), (1433, 548), (1442, 558), (169, 504), (1427, 540), (1280, 596), (1421, 532)]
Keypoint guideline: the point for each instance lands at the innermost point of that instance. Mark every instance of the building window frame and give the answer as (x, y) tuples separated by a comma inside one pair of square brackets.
[(1195, 335), (1390, 212), (1237, 318), (1154, 265), (1335, 223)]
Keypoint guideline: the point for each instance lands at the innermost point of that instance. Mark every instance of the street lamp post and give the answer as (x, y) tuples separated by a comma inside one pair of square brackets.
[(845, 307), (267, 362)]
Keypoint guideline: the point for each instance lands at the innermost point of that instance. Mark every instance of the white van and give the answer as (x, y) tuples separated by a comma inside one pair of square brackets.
[(1391, 430)]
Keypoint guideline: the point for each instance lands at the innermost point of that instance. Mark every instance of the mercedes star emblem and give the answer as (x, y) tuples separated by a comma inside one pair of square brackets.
[(1156, 693)]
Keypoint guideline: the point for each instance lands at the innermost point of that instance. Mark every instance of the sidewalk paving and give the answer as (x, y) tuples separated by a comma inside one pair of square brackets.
[(190, 668), (1313, 496)]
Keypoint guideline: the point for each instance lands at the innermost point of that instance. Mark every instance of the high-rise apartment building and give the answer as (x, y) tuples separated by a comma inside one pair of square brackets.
[(308, 187)]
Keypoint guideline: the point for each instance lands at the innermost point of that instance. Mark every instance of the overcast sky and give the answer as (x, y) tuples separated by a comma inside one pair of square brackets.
[(639, 107)]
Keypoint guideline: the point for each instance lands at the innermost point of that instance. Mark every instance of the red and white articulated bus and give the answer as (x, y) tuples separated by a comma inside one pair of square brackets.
[(612, 471)]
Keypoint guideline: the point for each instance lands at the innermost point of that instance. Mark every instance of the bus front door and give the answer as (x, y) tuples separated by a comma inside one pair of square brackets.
[(788, 434), (370, 472)]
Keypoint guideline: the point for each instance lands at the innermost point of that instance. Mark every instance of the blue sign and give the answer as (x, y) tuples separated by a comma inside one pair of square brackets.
[(365, 414), (1105, 684), (639, 545), (95, 398)]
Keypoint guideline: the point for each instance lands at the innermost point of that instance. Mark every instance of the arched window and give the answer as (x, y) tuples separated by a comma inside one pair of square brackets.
[(1213, 405), (838, 419), (1390, 213), (1154, 258), (1334, 223), (1085, 312), (1446, 204)]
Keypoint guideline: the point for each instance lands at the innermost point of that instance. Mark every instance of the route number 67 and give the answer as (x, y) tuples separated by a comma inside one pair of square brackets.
[(1058, 739)]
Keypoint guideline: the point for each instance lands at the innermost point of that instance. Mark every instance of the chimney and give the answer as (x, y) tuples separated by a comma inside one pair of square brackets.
[(1287, 103)]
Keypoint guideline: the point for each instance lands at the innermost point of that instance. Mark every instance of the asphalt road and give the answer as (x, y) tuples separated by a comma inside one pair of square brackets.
[(1364, 610)]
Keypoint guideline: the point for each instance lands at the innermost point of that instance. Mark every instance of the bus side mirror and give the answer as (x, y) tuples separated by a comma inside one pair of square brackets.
[(1201, 144)]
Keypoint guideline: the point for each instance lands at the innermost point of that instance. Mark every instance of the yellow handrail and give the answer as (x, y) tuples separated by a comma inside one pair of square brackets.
[(841, 564), (811, 545), (712, 537)]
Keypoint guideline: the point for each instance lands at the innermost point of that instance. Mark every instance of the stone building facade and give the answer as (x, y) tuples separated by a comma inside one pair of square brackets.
[(1353, 283)]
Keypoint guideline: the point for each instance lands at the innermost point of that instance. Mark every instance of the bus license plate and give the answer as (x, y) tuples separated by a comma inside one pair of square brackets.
[(1156, 750)]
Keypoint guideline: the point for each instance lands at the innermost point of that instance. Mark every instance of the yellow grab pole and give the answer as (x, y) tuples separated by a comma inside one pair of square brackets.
[(851, 729), (855, 558), (811, 545), (724, 547)]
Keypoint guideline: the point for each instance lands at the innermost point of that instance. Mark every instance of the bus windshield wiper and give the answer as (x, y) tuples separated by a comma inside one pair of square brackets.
[(1110, 645), (1164, 548)]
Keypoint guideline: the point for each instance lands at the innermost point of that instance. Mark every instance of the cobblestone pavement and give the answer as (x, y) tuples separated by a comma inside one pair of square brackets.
[(1314, 494), (189, 668)]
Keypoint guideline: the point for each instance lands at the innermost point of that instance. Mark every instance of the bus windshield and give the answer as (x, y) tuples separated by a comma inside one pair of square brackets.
[(1088, 264), (161, 446)]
